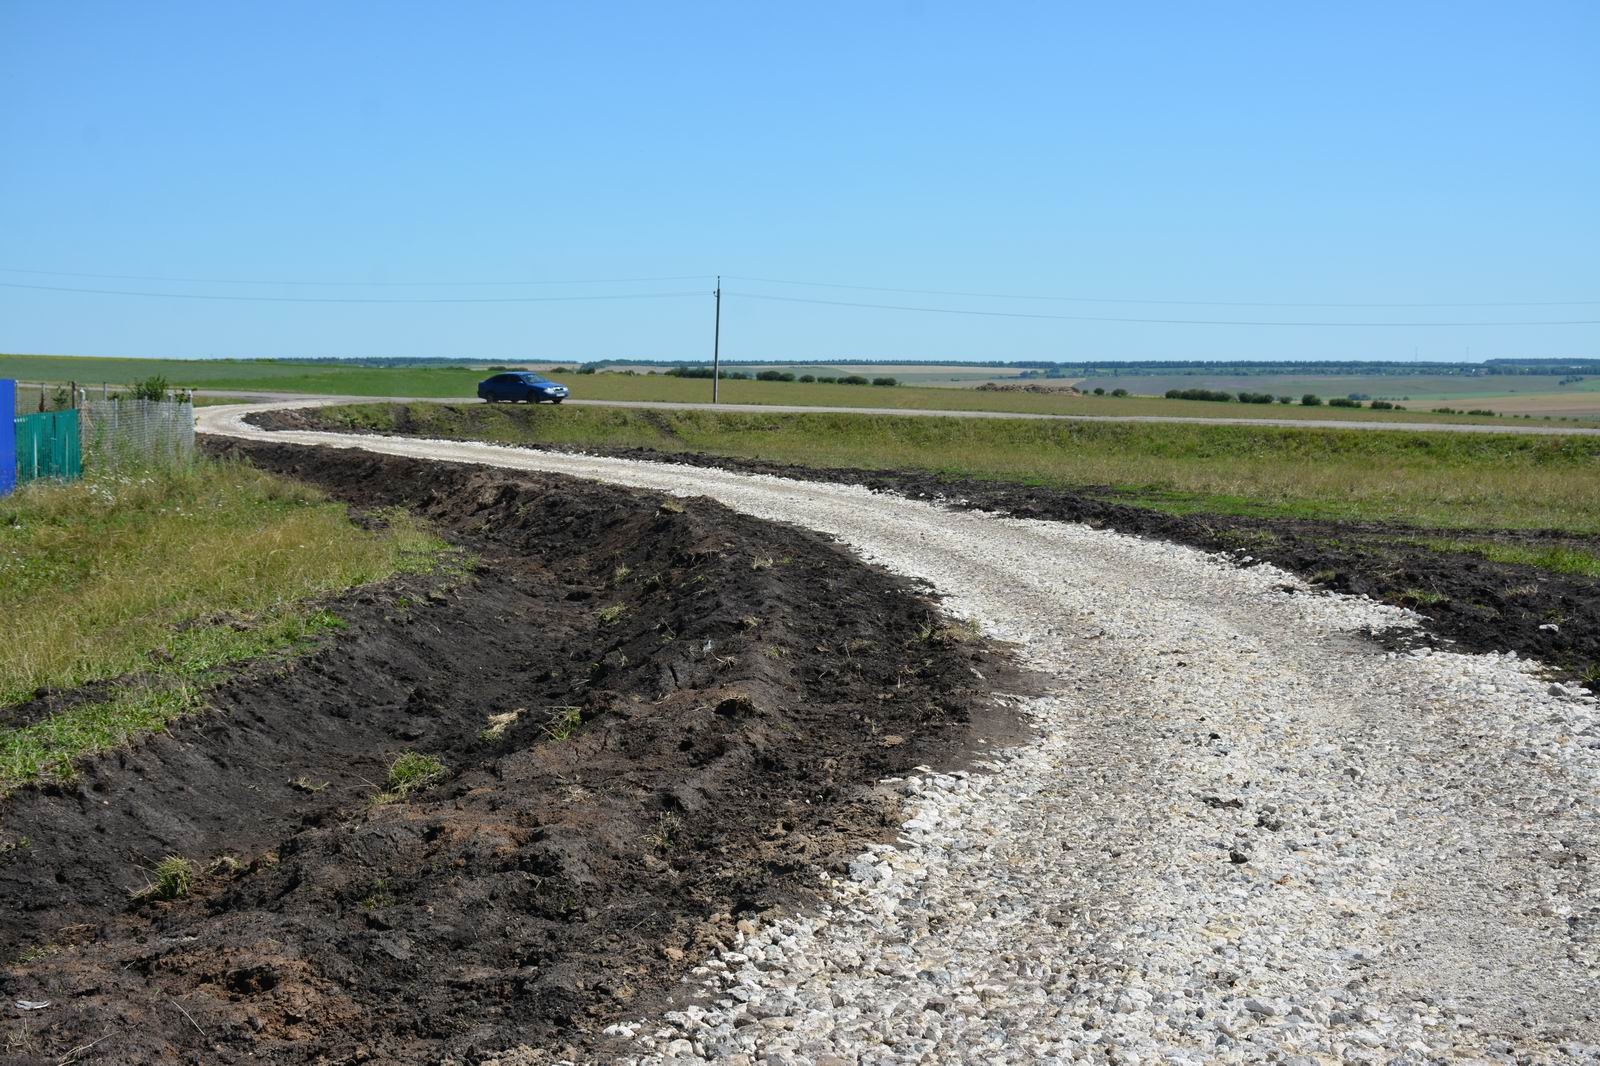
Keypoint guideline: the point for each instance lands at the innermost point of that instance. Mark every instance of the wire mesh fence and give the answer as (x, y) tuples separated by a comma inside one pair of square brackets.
[(122, 432), (29, 397)]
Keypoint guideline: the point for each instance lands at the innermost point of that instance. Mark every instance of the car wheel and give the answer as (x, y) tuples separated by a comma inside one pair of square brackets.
[(556, 400)]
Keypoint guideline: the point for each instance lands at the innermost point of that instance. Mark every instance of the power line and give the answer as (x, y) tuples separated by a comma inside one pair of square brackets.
[(809, 300), (1170, 303), (769, 281), (356, 284), (1143, 321), (353, 299)]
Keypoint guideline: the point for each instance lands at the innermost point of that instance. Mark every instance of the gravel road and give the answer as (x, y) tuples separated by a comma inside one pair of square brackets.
[(1243, 834), (306, 400)]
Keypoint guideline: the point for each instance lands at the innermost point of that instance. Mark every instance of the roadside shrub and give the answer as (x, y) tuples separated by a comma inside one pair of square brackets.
[(1099, 391), (807, 378), (1445, 411), (774, 375), (1119, 392), (151, 388), (689, 372), (1311, 399), (1343, 401), (1483, 411), (1286, 399), (853, 379), (1199, 394), (1255, 397), (827, 381), (587, 368), (1382, 405), (887, 383)]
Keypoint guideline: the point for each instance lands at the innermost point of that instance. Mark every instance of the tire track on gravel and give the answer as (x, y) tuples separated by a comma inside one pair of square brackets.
[(1242, 833)]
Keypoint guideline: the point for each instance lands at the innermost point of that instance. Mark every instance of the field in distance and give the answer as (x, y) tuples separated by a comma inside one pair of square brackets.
[(459, 382), (1537, 394)]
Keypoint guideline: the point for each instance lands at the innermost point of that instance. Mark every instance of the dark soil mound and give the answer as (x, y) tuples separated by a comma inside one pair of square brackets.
[(655, 717), (1473, 602)]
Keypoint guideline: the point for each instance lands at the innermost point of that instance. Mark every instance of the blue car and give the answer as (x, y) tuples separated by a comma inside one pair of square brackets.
[(520, 386)]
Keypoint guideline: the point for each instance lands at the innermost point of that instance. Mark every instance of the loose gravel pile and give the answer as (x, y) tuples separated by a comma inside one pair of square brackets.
[(1245, 833)]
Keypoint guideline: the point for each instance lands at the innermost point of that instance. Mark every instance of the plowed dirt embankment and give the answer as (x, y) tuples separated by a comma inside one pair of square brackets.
[(657, 718)]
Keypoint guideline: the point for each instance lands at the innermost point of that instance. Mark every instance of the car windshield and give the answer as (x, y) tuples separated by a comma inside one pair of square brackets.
[(534, 379)]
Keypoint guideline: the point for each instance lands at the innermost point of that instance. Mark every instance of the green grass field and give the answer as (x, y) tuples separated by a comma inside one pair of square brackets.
[(246, 376), (158, 581), (1447, 480)]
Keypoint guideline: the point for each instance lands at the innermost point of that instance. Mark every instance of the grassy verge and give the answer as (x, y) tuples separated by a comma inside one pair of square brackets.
[(1560, 559), (162, 580), (1487, 481)]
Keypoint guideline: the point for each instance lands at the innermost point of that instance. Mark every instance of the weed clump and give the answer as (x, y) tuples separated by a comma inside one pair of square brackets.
[(411, 772), (173, 879), (564, 722), (666, 832)]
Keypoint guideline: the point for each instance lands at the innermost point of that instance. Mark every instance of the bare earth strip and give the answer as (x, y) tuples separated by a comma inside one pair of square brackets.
[(1243, 833)]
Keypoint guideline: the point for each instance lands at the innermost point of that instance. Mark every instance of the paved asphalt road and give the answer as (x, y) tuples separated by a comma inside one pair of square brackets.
[(752, 408)]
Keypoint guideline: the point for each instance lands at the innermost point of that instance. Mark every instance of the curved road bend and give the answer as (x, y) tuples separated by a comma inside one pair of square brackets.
[(309, 399), (1242, 833)]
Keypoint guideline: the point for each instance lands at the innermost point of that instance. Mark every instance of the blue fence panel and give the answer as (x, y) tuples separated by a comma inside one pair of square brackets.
[(8, 441)]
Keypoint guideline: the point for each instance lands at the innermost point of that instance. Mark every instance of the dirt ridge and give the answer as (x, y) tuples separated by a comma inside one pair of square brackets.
[(1471, 603), (703, 703)]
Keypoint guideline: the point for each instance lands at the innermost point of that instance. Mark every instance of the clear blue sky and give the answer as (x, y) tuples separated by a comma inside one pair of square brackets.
[(1251, 152)]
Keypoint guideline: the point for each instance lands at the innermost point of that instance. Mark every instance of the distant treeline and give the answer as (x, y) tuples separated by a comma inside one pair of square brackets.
[(1488, 368)]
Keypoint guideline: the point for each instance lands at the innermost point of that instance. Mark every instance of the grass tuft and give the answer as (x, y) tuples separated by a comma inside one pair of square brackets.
[(412, 772), (173, 878), (498, 724), (564, 722), (666, 831)]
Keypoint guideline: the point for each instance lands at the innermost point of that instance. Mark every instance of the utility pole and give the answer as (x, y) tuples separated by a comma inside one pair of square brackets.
[(716, 343)]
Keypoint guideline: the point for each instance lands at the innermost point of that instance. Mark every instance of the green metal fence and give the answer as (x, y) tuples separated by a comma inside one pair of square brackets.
[(48, 446)]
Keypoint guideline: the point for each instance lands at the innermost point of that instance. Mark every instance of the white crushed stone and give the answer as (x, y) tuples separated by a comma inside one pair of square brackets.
[(1242, 835)]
